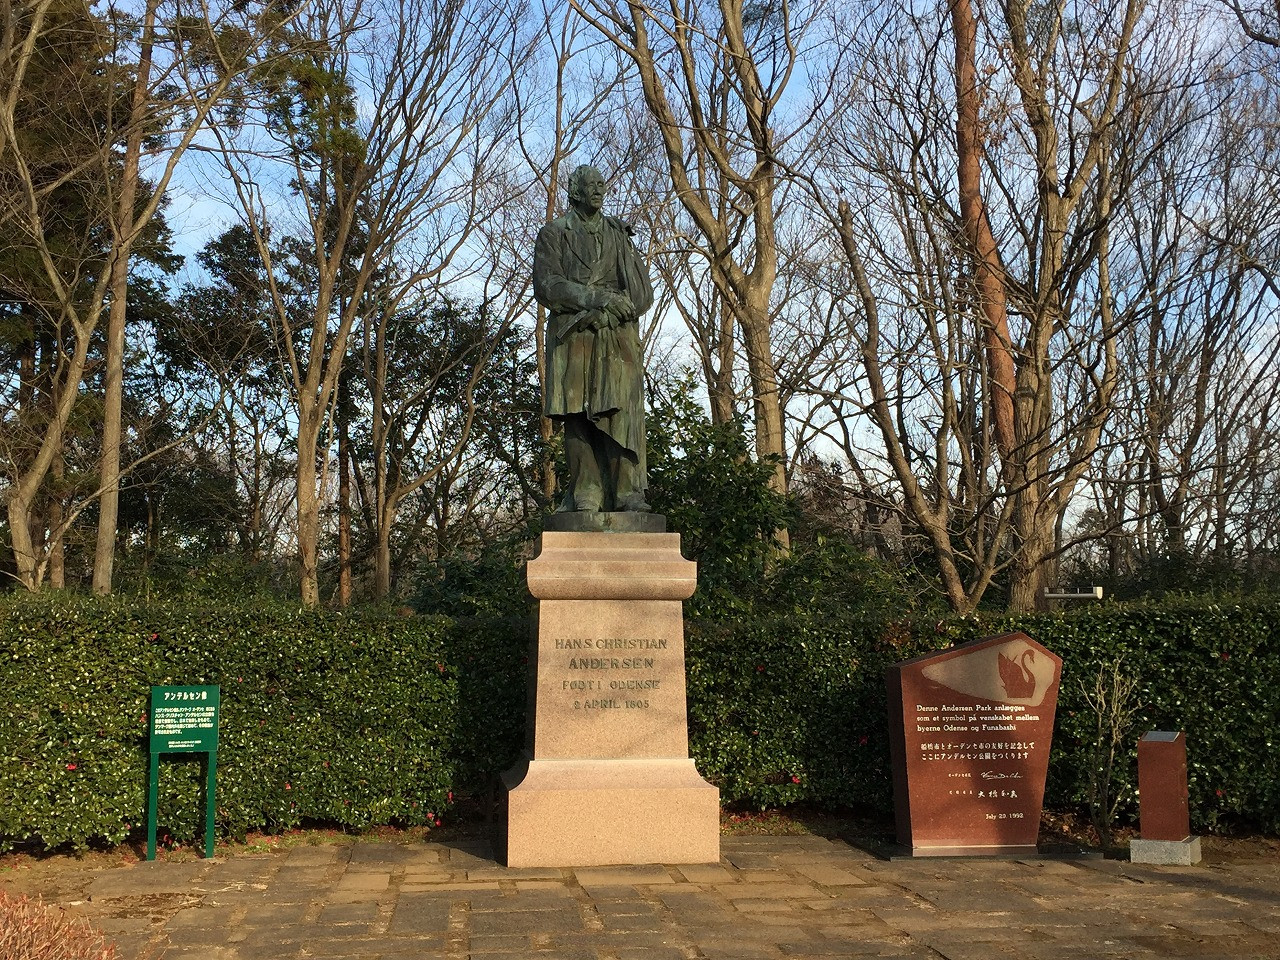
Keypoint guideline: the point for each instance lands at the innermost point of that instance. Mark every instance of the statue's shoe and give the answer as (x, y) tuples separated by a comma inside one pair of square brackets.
[(634, 503)]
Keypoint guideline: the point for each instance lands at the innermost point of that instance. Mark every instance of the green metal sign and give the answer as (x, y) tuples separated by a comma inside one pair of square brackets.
[(183, 720)]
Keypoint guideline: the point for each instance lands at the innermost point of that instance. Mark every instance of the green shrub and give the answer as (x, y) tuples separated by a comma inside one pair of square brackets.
[(345, 719), (490, 657), (360, 720), (703, 479), (788, 696), (787, 699), (1206, 668), (781, 712)]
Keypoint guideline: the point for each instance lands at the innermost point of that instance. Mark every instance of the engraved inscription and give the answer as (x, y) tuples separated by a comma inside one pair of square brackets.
[(587, 655)]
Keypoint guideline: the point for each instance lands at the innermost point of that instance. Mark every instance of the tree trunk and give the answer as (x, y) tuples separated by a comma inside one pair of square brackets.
[(112, 408), (308, 511), (113, 398), (57, 552), (989, 278), (719, 375), (25, 553), (382, 574), (1033, 527), (344, 492), (770, 436)]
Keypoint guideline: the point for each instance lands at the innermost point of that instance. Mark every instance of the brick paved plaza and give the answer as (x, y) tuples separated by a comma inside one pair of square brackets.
[(769, 897)]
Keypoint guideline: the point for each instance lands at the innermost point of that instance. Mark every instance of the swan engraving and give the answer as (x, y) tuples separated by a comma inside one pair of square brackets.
[(1016, 677)]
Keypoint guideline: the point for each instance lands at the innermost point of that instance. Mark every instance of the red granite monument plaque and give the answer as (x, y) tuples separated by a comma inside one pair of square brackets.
[(969, 734)]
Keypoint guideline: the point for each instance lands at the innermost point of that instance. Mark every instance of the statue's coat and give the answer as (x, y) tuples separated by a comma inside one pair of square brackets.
[(598, 372)]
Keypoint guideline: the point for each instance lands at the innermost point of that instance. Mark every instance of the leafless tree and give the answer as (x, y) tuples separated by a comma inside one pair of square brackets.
[(377, 141), (177, 66), (1065, 103), (714, 77), (1180, 466)]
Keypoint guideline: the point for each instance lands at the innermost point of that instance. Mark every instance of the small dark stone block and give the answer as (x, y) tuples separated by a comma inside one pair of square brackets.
[(591, 521), (1163, 812)]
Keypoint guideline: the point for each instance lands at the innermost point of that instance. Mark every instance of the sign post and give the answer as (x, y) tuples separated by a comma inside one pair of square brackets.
[(183, 720)]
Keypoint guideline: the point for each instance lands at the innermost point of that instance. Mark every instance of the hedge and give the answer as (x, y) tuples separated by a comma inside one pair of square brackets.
[(344, 719), (359, 720), (1211, 669), (786, 709)]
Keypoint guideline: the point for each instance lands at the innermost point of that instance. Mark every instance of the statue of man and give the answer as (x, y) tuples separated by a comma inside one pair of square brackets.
[(590, 277)]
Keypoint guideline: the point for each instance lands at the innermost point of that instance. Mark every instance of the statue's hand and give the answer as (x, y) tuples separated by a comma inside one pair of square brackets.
[(621, 308)]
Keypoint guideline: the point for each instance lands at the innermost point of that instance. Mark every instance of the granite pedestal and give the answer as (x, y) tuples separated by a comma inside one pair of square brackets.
[(607, 777)]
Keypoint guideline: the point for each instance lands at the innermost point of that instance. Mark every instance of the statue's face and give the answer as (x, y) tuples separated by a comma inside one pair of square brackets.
[(589, 191)]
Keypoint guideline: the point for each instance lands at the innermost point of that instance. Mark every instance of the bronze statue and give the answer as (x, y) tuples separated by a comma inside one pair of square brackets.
[(589, 276)]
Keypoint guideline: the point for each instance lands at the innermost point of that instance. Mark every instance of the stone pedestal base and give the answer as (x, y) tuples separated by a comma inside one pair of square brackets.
[(586, 813), (1173, 853), (1007, 850), (608, 779)]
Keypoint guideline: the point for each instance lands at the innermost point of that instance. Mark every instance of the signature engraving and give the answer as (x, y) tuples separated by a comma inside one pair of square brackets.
[(993, 775)]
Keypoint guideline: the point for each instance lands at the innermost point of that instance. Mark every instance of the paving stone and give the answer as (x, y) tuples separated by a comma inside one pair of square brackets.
[(266, 951), (980, 898), (638, 876), (707, 873), (523, 922), (845, 947), (476, 851), (491, 871), (613, 940), (275, 915), (767, 891), (234, 875), (769, 897), (194, 918), (129, 945), (752, 860), (378, 856), (633, 922), (346, 949), (311, 855), (421, 884), (618, 908), (695, 904), (345, 913), (549, 887), (977, 951), (733, 950), (414, 950), (562, 898), (1265, 923), (289, 889), (201, 952), (290, 933), (830, 876), (420, 913), (121, 924), (148, 879), (364, 880)]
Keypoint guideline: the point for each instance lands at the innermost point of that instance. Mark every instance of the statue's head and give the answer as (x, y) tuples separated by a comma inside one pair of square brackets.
[(587, 189)]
